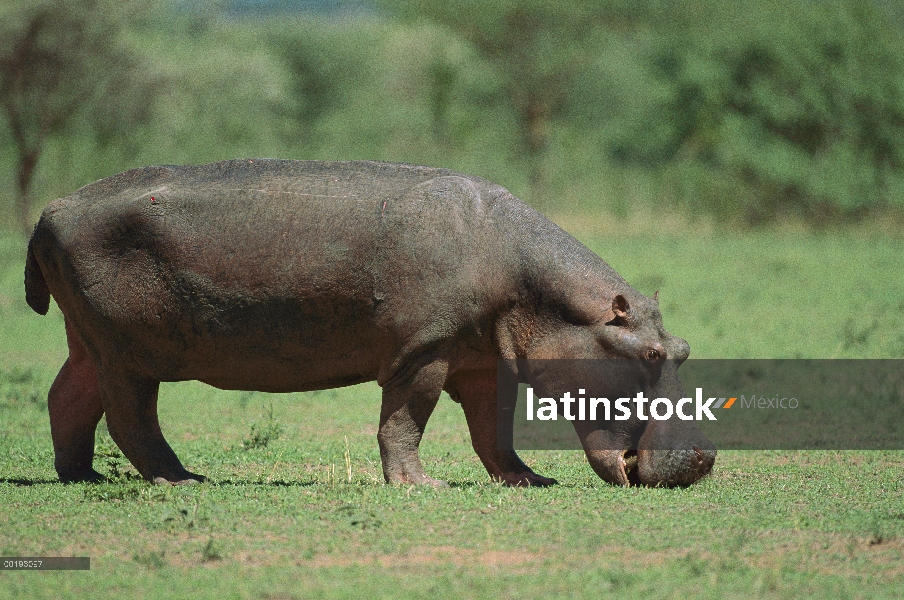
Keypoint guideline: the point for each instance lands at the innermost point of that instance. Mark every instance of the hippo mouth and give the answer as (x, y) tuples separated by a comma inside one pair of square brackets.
[(653, 467), (629, 464)]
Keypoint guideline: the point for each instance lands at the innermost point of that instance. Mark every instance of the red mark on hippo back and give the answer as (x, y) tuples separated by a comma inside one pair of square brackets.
[(383, 211)]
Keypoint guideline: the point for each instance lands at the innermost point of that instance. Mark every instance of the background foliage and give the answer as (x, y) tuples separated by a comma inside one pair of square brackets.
[(636, 125), (749, 111)]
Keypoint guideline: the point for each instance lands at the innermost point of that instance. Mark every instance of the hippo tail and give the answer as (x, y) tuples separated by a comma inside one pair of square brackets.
[(37, 294)]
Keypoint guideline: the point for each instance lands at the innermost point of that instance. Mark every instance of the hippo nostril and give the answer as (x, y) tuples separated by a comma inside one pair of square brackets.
[(699, 454)]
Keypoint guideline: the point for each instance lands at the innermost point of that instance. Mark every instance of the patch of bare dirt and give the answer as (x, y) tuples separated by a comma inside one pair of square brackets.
[(432, 555)]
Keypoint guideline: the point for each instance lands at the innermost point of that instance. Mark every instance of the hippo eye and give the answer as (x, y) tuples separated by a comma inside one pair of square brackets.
[(652, 354)]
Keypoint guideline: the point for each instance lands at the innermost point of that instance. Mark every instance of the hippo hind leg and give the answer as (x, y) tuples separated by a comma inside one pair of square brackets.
[(476, 391), (75, 409), (130, 402)]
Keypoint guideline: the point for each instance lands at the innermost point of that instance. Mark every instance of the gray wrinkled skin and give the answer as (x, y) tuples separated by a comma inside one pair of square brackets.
[(286, 276)]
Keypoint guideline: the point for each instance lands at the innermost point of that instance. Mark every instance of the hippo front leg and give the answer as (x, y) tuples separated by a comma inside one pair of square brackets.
[(407, 406), (476, 390)]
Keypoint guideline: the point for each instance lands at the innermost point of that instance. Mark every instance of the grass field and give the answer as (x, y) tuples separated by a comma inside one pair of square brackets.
[(297, 507)]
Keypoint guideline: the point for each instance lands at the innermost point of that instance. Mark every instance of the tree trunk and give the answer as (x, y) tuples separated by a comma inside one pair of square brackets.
[(534, 116), (28, 160)]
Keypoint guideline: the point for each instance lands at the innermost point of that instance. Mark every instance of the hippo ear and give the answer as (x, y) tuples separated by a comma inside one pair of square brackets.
[(619, 310), (656, 296)]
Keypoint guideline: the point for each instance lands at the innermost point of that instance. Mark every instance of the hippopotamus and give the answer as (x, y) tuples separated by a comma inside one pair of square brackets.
[(280, 276)]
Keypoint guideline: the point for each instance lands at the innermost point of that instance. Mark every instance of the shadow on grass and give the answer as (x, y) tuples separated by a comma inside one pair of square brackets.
[(468, 485), (279, 483), (228, 482), (28, 482)]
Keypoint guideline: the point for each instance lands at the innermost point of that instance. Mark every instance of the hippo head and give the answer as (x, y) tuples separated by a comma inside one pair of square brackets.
[(633, 353)]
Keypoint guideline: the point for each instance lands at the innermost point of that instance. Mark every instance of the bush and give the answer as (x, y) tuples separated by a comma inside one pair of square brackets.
[(769, 108)]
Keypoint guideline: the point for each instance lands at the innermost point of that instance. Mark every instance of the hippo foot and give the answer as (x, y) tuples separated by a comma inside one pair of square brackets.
[(526, 479), (85, 475), (192, 479)]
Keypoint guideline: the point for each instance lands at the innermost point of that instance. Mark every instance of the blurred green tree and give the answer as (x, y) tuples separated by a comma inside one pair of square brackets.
[(537, 47), (60, 58), (324, 68), (775, 107)]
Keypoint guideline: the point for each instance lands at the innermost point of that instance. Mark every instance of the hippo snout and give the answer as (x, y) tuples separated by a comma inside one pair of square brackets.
[(669, 454), (676, 466), (673, 452)]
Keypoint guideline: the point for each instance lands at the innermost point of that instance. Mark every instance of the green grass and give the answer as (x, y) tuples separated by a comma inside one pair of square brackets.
[(297, 507)]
